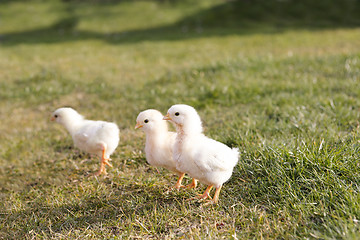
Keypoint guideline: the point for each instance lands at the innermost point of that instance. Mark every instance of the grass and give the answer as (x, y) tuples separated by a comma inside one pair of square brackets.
[(282, 85)]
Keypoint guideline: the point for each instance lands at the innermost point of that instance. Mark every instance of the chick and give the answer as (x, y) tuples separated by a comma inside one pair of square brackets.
[(205, 159), (159, 143), (95, 137)]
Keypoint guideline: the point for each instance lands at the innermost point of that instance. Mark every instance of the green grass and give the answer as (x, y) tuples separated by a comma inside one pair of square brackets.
[(277, 79)]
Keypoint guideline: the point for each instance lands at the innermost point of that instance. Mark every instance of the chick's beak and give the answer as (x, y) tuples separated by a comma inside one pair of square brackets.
[(167, 117), (52, 118), (138, 125)]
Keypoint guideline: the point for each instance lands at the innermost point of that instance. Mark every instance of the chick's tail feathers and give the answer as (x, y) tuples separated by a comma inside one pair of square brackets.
[(236, 151), (236, 155)]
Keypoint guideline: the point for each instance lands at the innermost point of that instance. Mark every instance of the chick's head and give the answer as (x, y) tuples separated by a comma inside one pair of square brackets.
[(150, 120), (64, 115), (186, 117)]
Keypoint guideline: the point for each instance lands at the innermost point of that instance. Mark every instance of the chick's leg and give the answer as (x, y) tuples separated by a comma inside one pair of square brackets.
[(178, 183), (205, 195), (193, 184), (103, 162), (216, 196)]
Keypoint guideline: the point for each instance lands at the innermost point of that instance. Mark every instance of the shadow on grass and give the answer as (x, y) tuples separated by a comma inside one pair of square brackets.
[(91, 211), (229, 18)]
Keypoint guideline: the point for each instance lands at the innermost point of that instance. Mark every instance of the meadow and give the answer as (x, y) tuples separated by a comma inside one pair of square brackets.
[(280, 80)]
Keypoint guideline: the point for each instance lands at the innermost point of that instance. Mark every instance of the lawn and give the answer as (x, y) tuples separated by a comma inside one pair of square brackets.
[(280, 80)]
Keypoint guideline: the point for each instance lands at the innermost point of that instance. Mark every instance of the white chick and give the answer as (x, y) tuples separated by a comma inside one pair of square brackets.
[(95, 137), (159, 143), (205, 159)]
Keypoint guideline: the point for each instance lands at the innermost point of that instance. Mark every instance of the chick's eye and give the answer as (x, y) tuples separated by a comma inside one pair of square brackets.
[(177, 114), (55, 115), (146, 121)]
